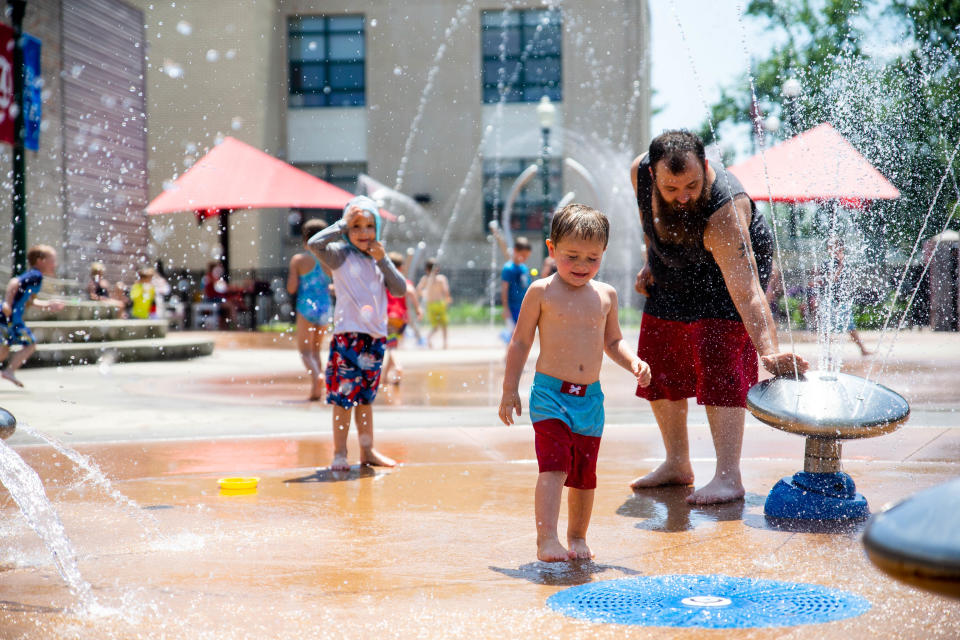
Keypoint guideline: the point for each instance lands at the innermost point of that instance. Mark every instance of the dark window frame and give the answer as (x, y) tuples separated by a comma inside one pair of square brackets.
[(522, 88), (326, 95)]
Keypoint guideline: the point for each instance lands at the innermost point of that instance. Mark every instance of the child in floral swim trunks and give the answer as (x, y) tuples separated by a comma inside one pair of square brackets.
[(362, 274), (577, 321)]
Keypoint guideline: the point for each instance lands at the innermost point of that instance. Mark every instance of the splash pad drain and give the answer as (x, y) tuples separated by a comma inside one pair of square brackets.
[(710, 602)]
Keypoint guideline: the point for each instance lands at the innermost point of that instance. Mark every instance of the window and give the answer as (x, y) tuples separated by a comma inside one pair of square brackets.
[(521, 52), (343, 175), (530, 209), (326, 57)]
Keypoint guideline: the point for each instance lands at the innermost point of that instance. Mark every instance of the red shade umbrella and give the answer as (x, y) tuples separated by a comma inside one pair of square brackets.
[(819, 164), (234, 175)]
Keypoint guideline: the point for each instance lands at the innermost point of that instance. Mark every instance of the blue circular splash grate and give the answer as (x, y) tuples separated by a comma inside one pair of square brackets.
[(711, 602)]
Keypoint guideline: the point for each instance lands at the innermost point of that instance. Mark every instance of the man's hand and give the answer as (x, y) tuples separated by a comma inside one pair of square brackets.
[(644, 280), (783, 364), (509, 402), (7, 309), (376, 250), (641, 370)]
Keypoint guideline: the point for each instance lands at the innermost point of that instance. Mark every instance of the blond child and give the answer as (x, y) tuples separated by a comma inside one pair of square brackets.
[(435, 291), (362, 274), (309, 281), (143, 295), (577, 321), (20, 293)]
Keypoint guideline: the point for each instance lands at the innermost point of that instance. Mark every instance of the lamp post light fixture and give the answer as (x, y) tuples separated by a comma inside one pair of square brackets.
[(547, 115)]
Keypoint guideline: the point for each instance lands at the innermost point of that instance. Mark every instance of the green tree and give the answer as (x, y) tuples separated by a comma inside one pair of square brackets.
[(900, 111)]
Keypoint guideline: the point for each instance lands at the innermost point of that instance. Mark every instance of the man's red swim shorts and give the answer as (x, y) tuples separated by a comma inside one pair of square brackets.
[(710, 359)]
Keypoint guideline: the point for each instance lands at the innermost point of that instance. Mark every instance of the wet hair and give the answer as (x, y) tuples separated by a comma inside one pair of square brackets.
[(39, 251), (672, 148), (580, 221), (522, 244), (145, 272), (431, 264), (312, 227), (396, 259)]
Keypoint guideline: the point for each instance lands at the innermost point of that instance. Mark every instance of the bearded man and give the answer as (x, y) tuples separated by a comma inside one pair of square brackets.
[(709, 256)]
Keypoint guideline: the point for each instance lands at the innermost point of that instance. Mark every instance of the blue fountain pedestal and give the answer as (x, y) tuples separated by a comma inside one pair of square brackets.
[(816, 496), (826, 408)]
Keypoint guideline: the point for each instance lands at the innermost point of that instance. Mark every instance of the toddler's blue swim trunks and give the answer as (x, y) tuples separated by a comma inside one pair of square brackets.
[(580, 407)]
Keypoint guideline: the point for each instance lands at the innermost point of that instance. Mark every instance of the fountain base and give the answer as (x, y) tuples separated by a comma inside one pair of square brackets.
[(816, 496)]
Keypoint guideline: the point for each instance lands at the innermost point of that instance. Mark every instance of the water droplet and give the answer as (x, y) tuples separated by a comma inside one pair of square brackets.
[(213, 55), (397, 71), (184, 28)]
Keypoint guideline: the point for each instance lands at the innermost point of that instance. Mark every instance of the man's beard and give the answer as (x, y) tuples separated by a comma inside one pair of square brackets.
[(682, 223)]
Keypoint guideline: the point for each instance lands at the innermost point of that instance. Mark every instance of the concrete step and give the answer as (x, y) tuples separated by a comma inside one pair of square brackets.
[(67, 354), (74, 310), (66, 331)]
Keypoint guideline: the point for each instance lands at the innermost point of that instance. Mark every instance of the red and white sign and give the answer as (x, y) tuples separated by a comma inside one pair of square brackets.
[(7, 115)]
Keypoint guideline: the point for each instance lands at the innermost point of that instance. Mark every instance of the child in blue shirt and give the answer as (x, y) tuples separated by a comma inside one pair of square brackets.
[(514, 280), (20, 292)]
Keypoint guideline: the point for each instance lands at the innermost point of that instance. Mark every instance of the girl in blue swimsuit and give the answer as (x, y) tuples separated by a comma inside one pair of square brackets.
[(310, 283)]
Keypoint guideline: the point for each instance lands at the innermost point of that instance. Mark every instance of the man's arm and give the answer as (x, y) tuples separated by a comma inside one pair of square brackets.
[(523, 336), (727, 238)]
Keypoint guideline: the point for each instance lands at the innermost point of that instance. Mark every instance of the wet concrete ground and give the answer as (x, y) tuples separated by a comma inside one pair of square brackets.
[(440, 547)]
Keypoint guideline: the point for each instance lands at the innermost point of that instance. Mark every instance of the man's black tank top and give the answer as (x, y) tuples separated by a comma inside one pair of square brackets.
[(687, 283)]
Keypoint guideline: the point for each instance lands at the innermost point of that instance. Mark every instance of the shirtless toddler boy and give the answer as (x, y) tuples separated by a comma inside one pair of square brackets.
[(577, 321)]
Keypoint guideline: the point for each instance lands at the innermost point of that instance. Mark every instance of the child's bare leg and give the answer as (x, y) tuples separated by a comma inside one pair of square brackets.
[(309, 350), (579, 508), (16, 361), (316, 346), (444, 329), (341, 427), (671, 417), (369, 455), (547, 510)]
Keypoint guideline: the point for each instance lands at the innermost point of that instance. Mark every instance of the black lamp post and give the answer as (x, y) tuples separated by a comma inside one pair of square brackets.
[(547, 115), (19, 221)]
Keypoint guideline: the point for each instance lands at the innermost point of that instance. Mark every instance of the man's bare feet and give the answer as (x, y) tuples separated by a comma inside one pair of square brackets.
[(665, 474), (579, 549), (374, 458), (718, 490), (8, 375), (553, 551), (340, 463)]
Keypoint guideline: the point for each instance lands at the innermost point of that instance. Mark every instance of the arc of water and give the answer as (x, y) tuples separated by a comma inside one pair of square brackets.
[(455, 23), (27, 491), (913, 252), (581, 171), (96, 475), (525, 176)]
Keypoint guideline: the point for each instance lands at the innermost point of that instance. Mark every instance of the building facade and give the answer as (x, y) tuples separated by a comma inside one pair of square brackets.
[(86, 185), (431, 105)]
